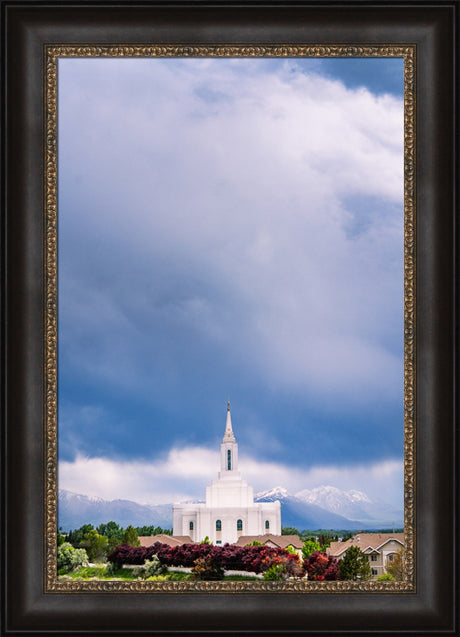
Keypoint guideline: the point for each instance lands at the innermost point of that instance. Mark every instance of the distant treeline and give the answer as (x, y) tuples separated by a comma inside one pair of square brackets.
[(111, 529), (330, 535), (100, 541)]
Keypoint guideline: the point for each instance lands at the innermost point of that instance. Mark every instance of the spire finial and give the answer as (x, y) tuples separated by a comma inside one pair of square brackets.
[(228, 436)]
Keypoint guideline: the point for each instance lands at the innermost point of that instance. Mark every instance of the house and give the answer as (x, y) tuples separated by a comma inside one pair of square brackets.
[(277, 541), (379, 547), (170, 540), (229, 511)]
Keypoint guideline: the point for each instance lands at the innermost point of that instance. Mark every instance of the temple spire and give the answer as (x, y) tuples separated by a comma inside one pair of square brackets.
[(228, 435)]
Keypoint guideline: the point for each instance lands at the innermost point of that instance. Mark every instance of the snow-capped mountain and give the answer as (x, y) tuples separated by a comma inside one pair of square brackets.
[(321, 508), (75, 509), (352, 504), (302, 515), (278, 493), (348, 503), (330, 508)]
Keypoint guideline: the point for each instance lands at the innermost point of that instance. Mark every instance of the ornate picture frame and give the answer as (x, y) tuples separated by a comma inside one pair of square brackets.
[(53, 54), (31, 298)]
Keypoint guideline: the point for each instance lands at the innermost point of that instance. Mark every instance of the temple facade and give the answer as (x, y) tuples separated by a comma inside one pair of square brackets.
[(229, 511)]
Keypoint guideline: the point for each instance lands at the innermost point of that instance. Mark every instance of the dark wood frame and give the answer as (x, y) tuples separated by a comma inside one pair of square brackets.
[(27, 26)]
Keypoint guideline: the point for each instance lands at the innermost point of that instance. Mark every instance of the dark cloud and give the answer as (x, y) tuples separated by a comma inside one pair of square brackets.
[(254, 252)]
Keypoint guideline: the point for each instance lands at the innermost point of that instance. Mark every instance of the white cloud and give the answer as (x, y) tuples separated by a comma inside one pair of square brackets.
[(243, 181), (185, 472)]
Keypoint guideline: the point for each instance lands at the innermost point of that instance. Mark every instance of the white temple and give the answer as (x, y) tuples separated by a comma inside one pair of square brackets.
[(229, 510)]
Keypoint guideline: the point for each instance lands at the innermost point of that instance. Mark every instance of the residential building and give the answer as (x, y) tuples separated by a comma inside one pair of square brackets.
[(170, 540), (380, 549), (276, 541)]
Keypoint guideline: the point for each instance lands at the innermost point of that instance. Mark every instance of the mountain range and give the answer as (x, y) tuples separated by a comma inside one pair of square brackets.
[(325, 507), (75, 509)]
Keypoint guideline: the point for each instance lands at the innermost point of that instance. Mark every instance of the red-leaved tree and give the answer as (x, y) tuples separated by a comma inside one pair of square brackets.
[(321, 567)]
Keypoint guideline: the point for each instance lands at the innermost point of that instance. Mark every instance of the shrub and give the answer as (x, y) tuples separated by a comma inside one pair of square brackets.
[(154, 567), (280, 567), (205, 568), (111, 568), (126, 554), (69, 558), (386, 577), (275, 572), (320, 566), (80, 557), (229, 557)]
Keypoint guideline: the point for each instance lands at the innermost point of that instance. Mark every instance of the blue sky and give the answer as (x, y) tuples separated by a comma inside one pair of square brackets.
[(230, 229)]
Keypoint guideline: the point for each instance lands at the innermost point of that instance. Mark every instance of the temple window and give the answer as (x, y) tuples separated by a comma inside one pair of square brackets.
[(267, 524), (218, 525), (239, 525), (229, 459)]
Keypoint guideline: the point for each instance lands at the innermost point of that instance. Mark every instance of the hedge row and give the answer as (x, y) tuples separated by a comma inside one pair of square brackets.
[(255, 559)]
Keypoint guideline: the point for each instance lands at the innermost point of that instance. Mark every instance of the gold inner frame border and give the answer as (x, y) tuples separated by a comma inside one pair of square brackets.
[(51, 55)]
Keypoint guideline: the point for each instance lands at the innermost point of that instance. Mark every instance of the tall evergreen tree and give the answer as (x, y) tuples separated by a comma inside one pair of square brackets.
[(354, 565), (130, 536)]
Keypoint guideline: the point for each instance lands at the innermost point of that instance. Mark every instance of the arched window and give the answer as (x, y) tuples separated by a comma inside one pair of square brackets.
[(190, 526), (229, 459), (239, 525), (218, 525), (267, 524)]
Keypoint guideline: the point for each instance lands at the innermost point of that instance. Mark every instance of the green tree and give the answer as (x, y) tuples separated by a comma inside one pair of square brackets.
[(354, 565), (69, 557), (152, 530), (289, 530), (130, 536), (95, 545), (326, 543), (110, 529), (114, 534), (76, 537), (309, 546), (61, 536)]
